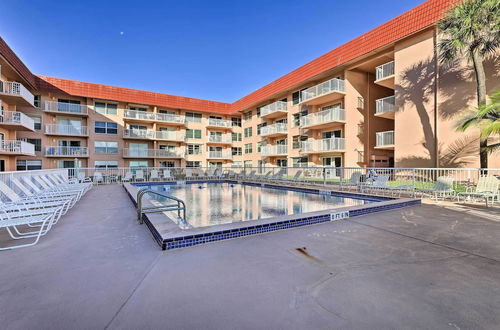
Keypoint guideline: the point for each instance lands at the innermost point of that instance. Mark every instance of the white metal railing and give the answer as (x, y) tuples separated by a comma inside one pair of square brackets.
[(384, 139), (66, 151), (322, 117), (331, 144), (170, 118), (169, 153), (220, 138), (386, 104), (169, 135), (152, 153), (326, 87), (17, 89), (63, 107), (273, 107), (16, 117), (141, 115), (384, 70), (270, 150), (17, 147), (220, 155), (66, 129), (139, 133), (274, 129), (219, 122)]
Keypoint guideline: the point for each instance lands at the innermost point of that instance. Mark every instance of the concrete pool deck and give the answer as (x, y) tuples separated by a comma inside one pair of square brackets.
[(423, 266)]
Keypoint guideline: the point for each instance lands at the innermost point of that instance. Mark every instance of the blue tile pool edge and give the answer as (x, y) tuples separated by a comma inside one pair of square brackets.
[(291, 221)]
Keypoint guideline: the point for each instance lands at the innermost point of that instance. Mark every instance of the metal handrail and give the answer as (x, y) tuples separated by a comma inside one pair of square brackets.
[(160, 208)]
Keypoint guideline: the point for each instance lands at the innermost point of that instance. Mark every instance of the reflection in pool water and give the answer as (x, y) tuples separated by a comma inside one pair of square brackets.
[(210, 204)]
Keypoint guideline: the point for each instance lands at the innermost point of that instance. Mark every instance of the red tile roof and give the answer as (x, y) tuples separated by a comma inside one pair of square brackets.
[(410, 22)]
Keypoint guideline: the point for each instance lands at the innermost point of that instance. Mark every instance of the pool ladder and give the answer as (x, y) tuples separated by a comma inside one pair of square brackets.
[(178, 205)]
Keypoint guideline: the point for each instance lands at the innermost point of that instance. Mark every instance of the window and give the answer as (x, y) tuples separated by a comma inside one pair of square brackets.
[(104, 147), (258, 111), (297, 116), (297, 96), (106, 164), (192, 117), (28, 165), (38, 101), (237, 164), (36, 142), (106, 127), (194, 149), (167, 112), (248, 163), (299, 162), (193, 133), (236, 151), (105, 108), (259, 146), (236, 136), (37, 120), (193, 164), (138, 163), (138, 109), (247, 116), (296, 141), (248, 132), (260, 126), (248, 148), (236, 121)]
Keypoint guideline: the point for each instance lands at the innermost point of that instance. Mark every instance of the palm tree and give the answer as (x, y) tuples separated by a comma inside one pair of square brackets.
[(487, 118), (471, 30)]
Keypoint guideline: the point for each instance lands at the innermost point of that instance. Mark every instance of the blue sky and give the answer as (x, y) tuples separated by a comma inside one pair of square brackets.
[(218, 50)]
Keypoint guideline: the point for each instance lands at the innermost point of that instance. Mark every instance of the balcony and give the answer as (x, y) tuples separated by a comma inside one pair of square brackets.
[(71, 152), (219, 123), (274, 130), (322, 146), (219, 155), (323, 118), (152, 153), (16, 148), (15, 93), (171, 119), (273, 110), (327, 91), (66, 108), (385, 140), (219, 139), (274, 150), (385, 107), (141, 134), (68, 130), (169, 136), (384, 75), (144, 116), (16, 120)]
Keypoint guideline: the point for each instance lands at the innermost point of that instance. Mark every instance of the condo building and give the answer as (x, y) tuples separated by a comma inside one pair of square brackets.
[(380, 100)]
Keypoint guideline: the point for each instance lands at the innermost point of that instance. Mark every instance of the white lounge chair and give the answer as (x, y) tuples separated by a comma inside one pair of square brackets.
[(167, 175), (153, 176), (98, 178), (486, 189), (127, 177), (139, 175)]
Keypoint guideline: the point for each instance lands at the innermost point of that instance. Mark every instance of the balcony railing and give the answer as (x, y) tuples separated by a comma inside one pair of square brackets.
[(220, 139), (277, 128), (53, 106), (152, 153), (220, 155), (271, 150), (331, 144), (273, 107), (66, 151), (323, 117), (384, 139), (57, 129), (17, 147), (169, 135), (219, 123), (384, 105), (16, 118), (170, 118), (139, 133), (384, 70), (141, 115), (17, 89), (326, 87)]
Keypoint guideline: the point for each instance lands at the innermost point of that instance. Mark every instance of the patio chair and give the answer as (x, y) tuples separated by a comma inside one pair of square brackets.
[(153, 176), (128, 177), (353, 181), (82, 178), (486, 189), (189, 173), (66, 201), (167, 175), (442, 188), (67, 189), (98, 178), (139, 175)]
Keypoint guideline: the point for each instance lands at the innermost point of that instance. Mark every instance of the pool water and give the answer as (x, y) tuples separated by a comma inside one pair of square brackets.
[(209, 204)]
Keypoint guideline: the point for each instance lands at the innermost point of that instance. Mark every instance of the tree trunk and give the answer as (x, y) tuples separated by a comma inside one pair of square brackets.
[(481, 100)]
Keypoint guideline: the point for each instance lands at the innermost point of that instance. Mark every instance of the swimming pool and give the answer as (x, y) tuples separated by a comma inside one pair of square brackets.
[(209, 203)]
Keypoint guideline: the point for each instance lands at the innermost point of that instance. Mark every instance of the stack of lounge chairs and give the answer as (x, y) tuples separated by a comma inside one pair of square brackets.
[(32, 204)]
